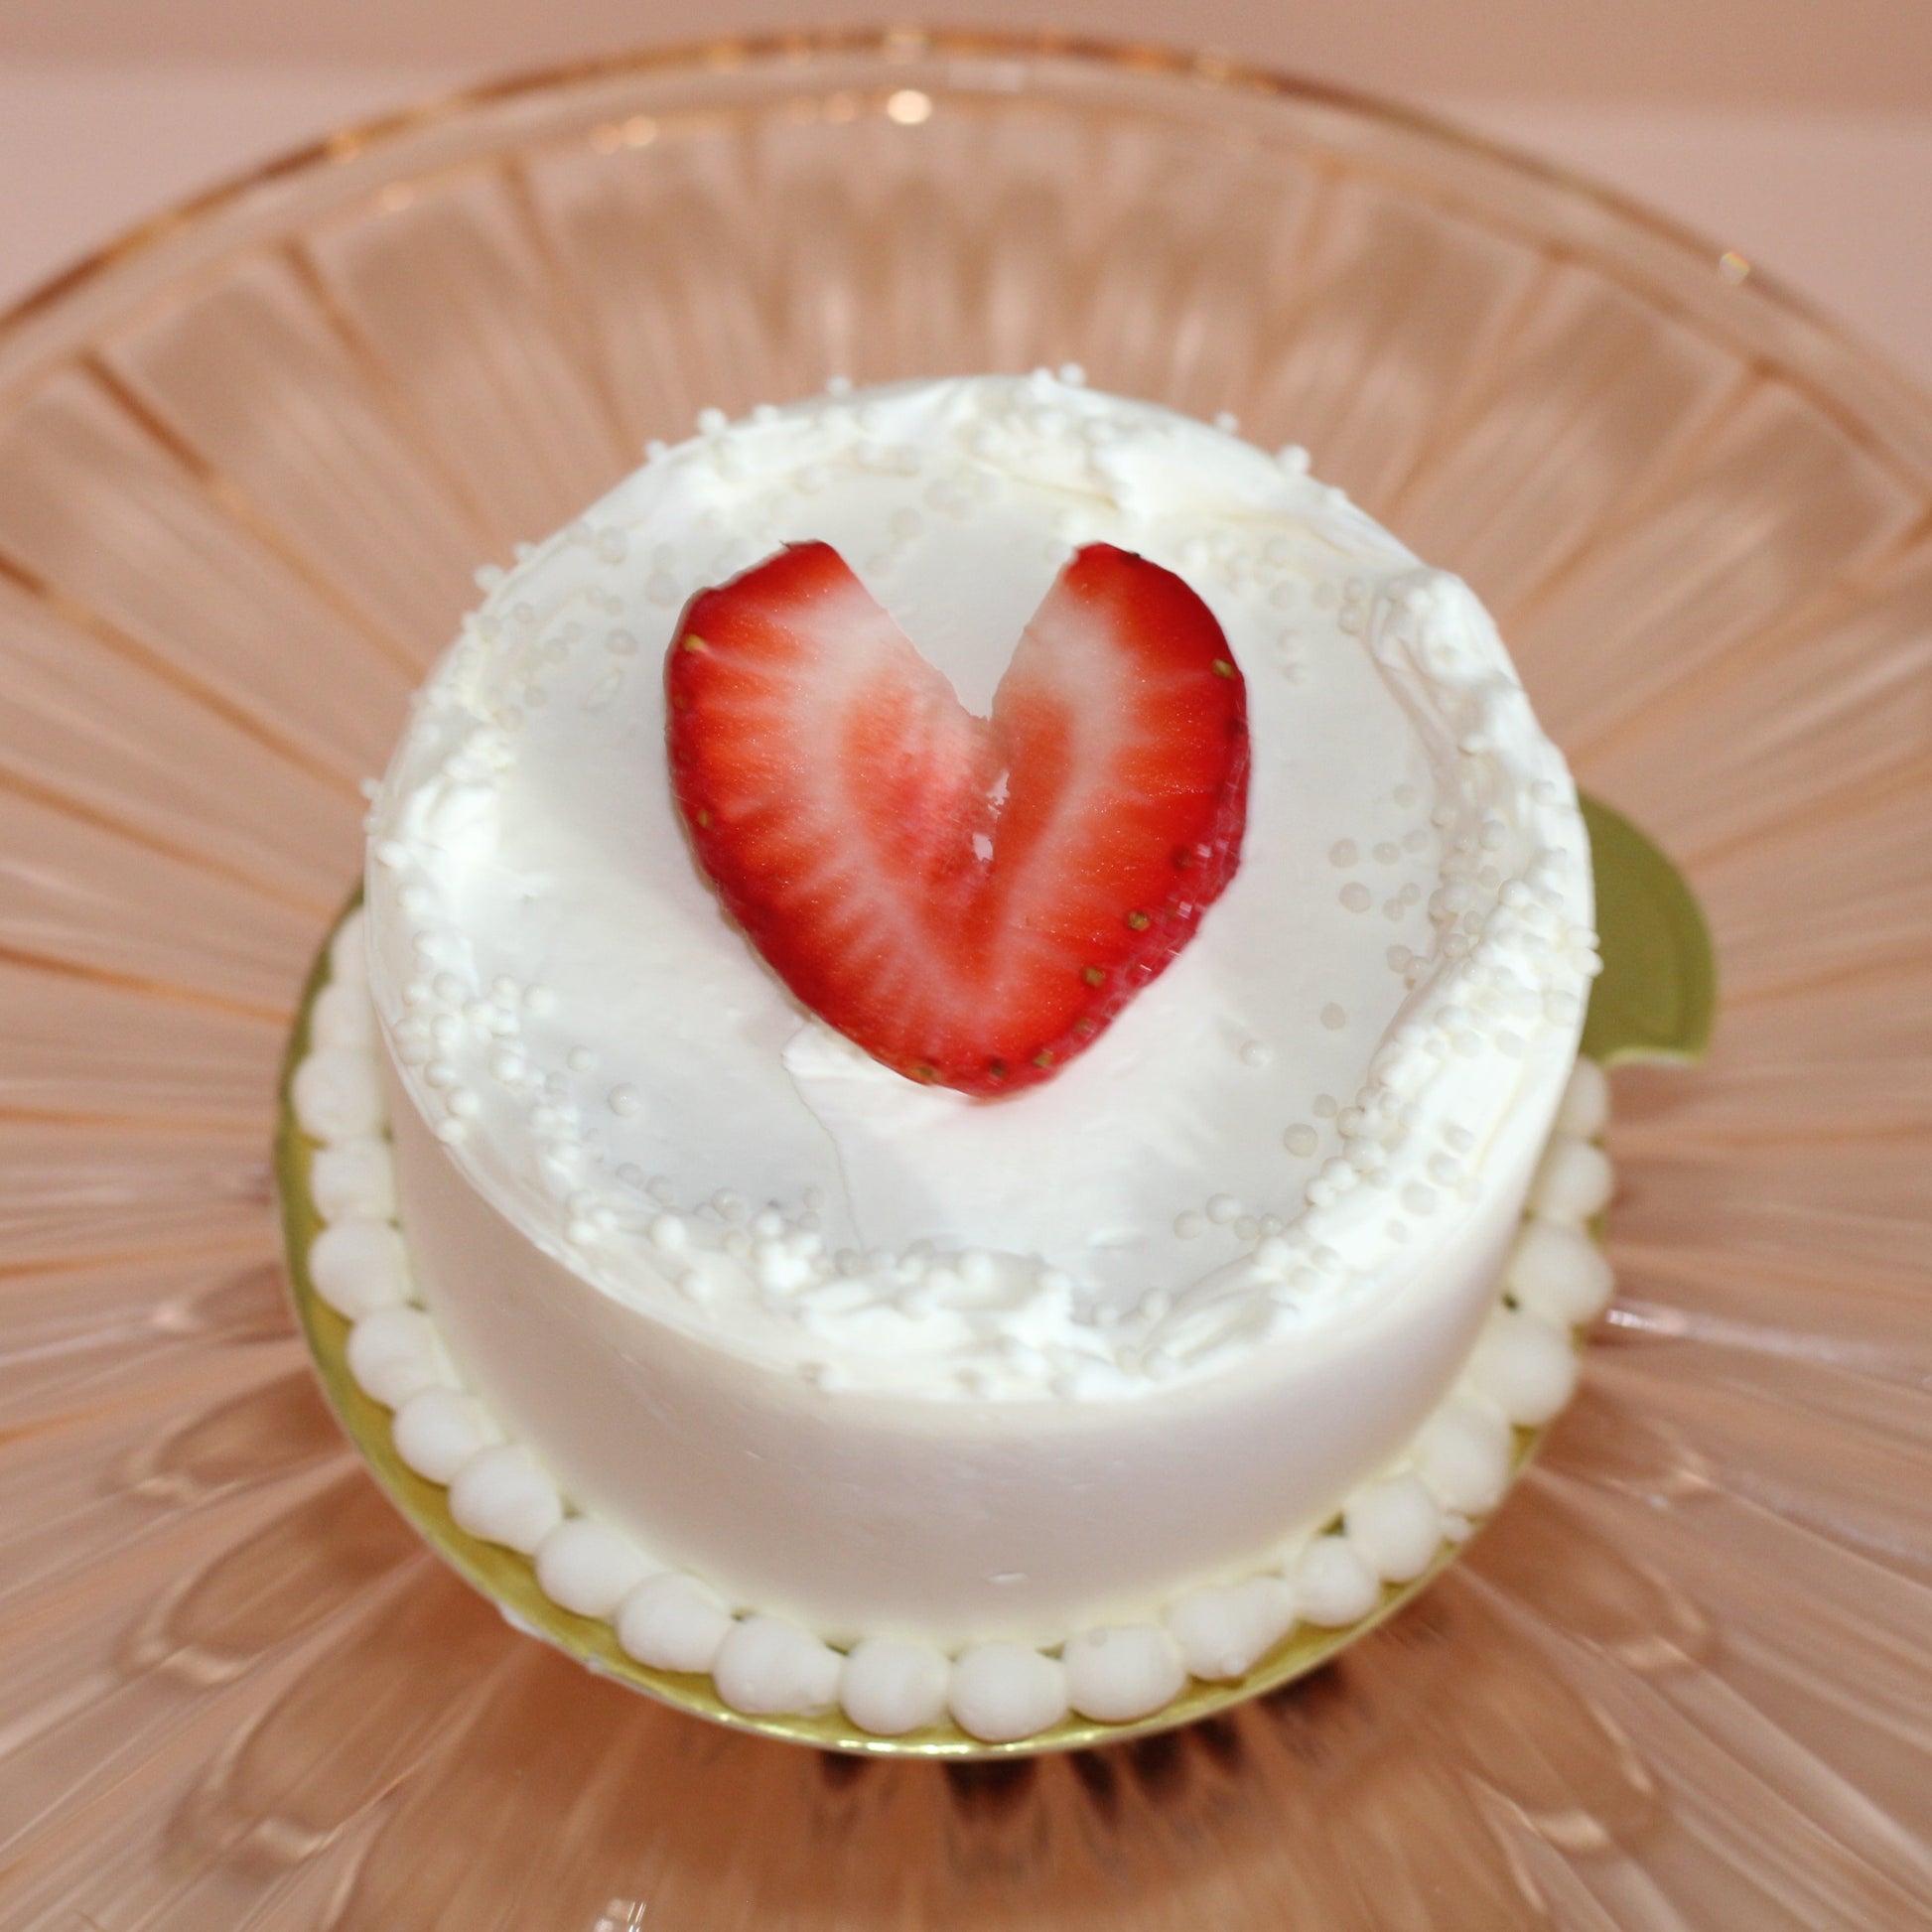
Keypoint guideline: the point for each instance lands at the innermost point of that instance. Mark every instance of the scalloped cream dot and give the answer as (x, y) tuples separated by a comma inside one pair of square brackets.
[(438, 1431), (1526, 1367), (672, 1621), (1225, 1630), (768, 1667), (589, 1568), (1585, 1107), (1396, 1527), (1001, 1693), (1464, 1454), (393, 1353), (1333, 1586), (342, 1016), (890, 1687), (348, 950), (502, 1496), (1122, 1672), (1575, 1181), (1559, 1273), (353, 1180), (359, 1265), (337, 1094)]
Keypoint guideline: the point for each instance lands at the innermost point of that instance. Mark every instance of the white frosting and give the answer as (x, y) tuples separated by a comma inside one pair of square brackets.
[(872, 1360), (1463, 1454), (1585, 1109), (589, 1568), (1388, 1531), (342, 1017), (1409, 934), (355, 1180), (359, 1265), (438, 1431), (1558, 1273), (1224, 1630), (501, 1495), (890, 1687), (1122, 1672), (338, 1094), (673, 1622), (1573, 1183), (1526, 1366), (767, 1667), (1002, 1692), (1396, 1527), (393, 1354), (1334, 1584)]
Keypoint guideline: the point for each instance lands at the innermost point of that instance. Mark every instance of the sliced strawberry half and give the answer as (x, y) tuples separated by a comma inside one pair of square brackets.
[(972, 901)]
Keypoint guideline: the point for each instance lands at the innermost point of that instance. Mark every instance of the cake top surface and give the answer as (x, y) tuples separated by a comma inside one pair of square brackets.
[(1376, 1017)]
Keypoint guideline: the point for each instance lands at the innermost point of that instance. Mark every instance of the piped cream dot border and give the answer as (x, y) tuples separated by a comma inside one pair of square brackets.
[(1391, 1532)]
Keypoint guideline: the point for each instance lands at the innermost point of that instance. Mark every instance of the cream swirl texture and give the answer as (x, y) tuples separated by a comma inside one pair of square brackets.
[(1368, 1036)]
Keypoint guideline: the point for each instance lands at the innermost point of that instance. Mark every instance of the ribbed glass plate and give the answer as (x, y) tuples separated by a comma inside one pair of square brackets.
[(247, 463)]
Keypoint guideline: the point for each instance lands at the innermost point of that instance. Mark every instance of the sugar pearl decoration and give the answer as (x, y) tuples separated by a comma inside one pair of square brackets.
[(1558, 1273), (589, 1568), (673, 1622), (393, 1354), (1585, 1109), (355, 1180), (1463, 1454), (1395, 1527), (890, 1687), (1575, 1181), (1000, 1692), (767, 1668), (1224, 1630), (1332, 1585), (338, 1095), (438, 1431), (502, 1496), (1117, 1674), (358, 1266), (1526, 1367)]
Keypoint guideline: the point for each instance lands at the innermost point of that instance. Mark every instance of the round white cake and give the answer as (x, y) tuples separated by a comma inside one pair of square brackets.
[(816, 1355)]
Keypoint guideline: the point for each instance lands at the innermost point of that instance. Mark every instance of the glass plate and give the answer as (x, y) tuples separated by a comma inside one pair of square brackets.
[(249, 460)]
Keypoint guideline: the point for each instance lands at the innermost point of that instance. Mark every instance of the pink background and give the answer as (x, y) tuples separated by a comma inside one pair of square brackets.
[(1795, 131)]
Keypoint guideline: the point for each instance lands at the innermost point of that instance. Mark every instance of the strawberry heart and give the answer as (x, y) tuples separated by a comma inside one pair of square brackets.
[(971, 899)]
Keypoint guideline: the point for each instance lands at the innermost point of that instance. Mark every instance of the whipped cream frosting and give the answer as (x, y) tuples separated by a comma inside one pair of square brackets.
[(1388, 1529), (1365, 1041)]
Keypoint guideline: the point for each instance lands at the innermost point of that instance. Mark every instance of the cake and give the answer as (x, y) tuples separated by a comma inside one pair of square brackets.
[(851, 1377)]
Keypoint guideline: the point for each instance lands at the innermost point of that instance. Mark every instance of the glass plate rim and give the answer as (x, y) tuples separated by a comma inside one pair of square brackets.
[(898, 43)]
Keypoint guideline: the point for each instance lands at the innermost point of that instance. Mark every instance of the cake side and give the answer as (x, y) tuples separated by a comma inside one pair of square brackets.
[(950, 1523)]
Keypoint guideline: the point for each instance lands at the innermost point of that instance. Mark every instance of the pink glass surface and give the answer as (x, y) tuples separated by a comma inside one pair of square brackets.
[(247, 465)]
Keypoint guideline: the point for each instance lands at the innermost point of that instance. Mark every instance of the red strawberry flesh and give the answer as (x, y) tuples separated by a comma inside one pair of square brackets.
[(971, 900)]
